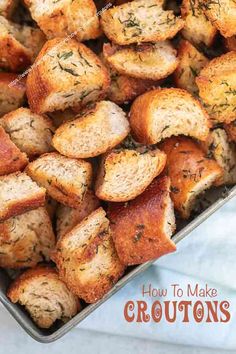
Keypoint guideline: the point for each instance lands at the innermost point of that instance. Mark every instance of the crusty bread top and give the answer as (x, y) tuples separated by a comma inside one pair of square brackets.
[(144, 61), (140, 21), (161, 113), (44, 296), (94, 132), (31, 132), (66, 73)]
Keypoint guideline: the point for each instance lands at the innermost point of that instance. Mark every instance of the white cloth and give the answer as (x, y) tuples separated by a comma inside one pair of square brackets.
[(207, 255)]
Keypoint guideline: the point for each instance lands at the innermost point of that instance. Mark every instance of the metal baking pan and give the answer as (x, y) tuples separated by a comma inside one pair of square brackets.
[(211, 202)]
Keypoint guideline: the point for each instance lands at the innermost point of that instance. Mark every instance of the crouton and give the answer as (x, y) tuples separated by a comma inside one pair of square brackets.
[(222, 14), (81, 77), (45, 297), (11, 158), (197, 28), (231, 131), (12, 93), (190, 172), (230, 43), (140, 21), (7, 7), (19, 45), (66, 180), (145, 61), (161, 113), (148, 221), (67, 217), (126, 173), (26, 239), (217, 87), (19, 194), (63, 17), (218, 147), (87, 260), (32, 133), (191, 62), (93, 133)]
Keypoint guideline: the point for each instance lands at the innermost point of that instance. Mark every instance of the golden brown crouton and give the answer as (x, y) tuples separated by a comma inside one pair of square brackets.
[(87, 260), (66, 74), (26, 239), (19, 194), (12, 93), (45, 297), (190, 172), (65, 179), (161, 113), (231, 131), (140, 21), (11, 158), (142, 228)]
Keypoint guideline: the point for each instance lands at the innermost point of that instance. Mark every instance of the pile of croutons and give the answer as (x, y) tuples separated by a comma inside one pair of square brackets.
[(115, 117)]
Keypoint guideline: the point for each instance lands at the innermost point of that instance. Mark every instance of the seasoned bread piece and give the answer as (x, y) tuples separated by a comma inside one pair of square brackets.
[(190, 172), (191, 62), (217, 87), (45, 297), (93, 133), (12, 92), (63, 17), (126, 173), (142, 228), (218, 147), (7, 7), (26, 239), (87, 260), (197, 28), (145, 61), (222, 14), (19, 45), (140, 21), (231, 131), (161, 113), (11, 158), (19, 194), (65, 179), (230, 43), (69, 75), (32, 133), (67, 217)]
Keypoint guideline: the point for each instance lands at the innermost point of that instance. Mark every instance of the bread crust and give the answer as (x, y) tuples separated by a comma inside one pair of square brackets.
[(190, 172), (11, 158), (143, 220), (12, 92), (144, 124)]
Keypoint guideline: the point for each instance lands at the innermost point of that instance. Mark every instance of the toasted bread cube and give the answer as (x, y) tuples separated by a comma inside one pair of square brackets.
[(218, 147), (140, 21), (190, 172), (144, 61), (92, 133), (217, 88), (19, 45), (66, 180), (161, 113), (45, 297), (231, 131), (26, 239), (222, 14), (191, 62), (11, 158), (67, 217), (142, 228), (19, 194), (12, 92), (63, 17), (87, 260), (230, 43), (197, 28), (65, 74), (32, 133), (126, 173), (7, 7)]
